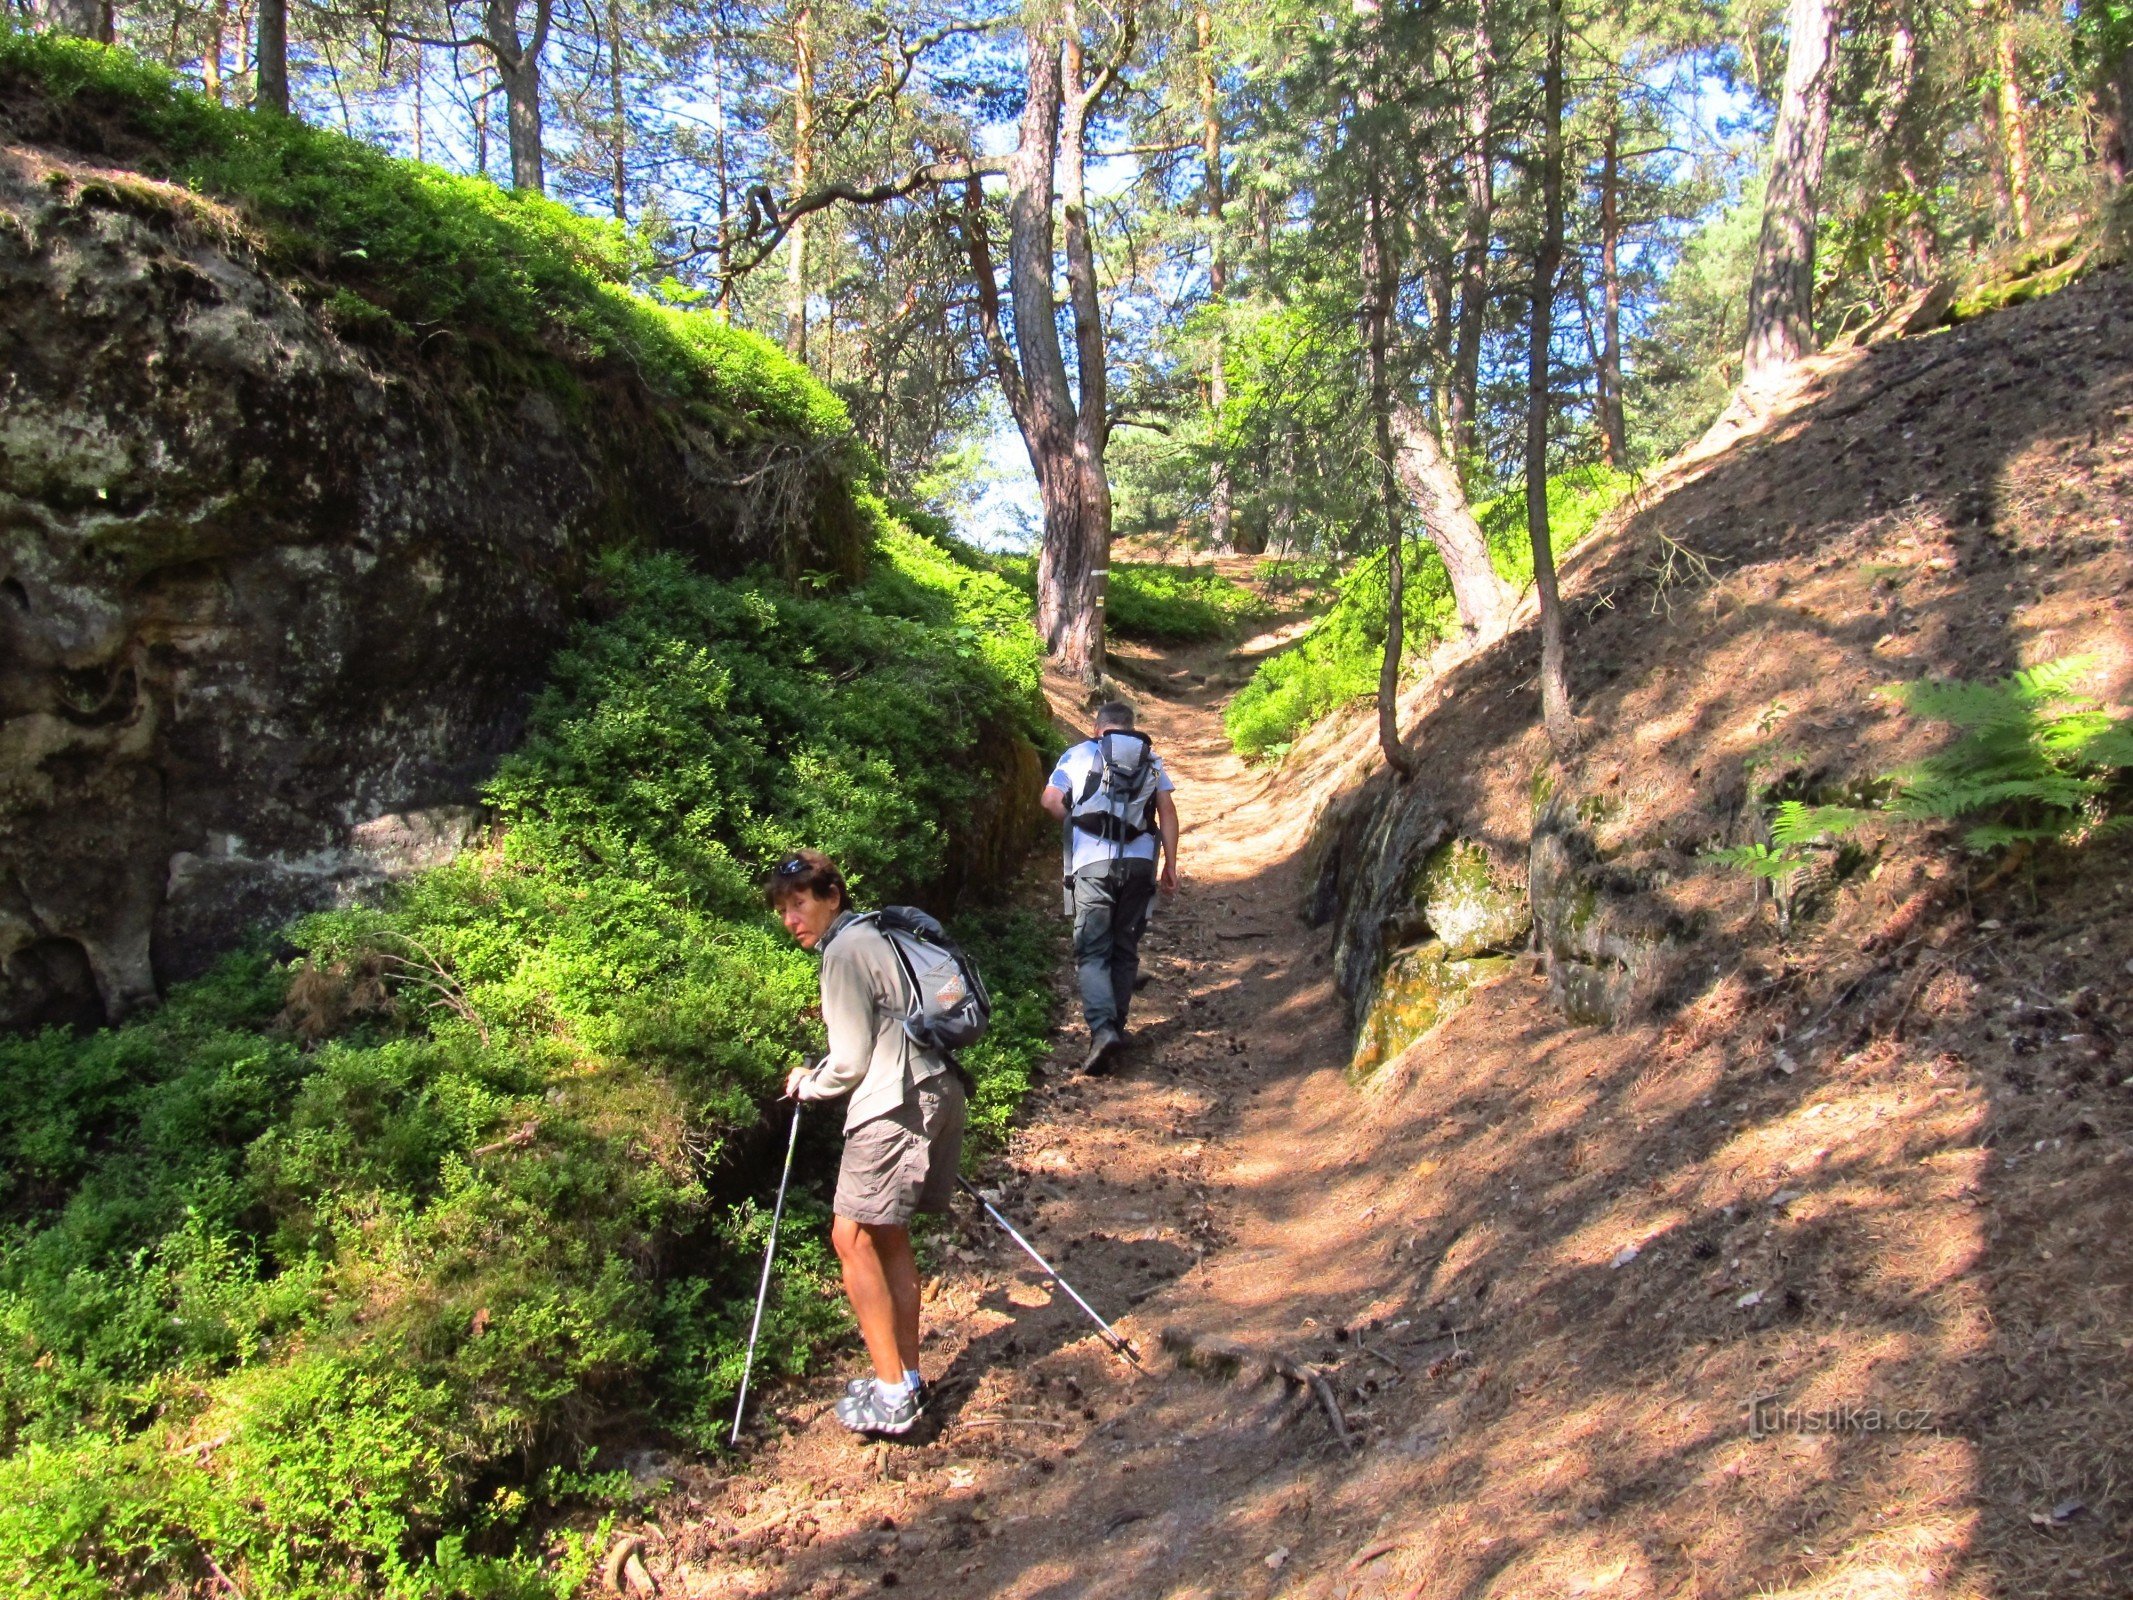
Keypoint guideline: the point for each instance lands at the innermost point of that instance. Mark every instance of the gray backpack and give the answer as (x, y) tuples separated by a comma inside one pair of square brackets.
[(949, 1007)]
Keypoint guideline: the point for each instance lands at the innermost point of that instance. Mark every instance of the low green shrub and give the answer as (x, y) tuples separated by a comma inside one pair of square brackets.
[(1339, 658), (1155, 602), (323, 1272)]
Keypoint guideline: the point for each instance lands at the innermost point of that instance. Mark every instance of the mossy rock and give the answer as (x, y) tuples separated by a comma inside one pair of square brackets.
[(1421, 988), (1467, 907)]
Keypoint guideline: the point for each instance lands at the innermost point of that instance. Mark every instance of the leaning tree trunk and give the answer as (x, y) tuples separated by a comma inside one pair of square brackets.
[(1781, 294), (1081, 632), (272, 88), (1547, 263), (1433, 489)]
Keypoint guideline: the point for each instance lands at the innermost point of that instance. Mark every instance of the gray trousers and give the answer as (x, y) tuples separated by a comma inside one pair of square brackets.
[(1111, 901)]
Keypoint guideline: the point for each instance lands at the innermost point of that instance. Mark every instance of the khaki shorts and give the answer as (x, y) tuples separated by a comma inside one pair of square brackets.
[(905, 1161)]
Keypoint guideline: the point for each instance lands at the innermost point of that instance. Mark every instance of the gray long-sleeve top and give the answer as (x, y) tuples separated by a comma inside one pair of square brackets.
[(863, 1007)]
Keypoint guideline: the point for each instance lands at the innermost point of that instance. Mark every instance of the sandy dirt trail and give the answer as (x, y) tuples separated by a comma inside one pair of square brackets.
[(1186, 1190)]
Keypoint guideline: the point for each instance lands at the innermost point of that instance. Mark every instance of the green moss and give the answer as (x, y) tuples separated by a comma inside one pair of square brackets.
[(1419, 989), (1456, 890)]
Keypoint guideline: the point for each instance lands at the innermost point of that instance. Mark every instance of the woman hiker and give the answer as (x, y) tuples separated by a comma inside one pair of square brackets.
[(903, 1132)]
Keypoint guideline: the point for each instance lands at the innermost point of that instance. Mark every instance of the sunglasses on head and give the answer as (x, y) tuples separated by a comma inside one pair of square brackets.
[(787, 869)]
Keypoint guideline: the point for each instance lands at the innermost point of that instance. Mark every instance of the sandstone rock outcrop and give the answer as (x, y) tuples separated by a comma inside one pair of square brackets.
[(272, 599)]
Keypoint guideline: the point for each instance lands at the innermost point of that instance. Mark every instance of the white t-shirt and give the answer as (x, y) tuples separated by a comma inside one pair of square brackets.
[(1073, 772)]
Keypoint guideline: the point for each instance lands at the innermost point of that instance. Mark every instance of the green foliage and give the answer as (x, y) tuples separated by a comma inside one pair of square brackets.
[(1169, 604), (318, 1271), (1689, 357), (1160, 603), (1338, 659), (2032, 762), (394, 248)]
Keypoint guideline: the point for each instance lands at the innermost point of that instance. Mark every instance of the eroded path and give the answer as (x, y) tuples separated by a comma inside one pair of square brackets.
[(1190, 1178)]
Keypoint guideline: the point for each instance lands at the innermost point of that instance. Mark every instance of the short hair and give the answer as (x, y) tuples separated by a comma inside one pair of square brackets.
[(806, 872), (1114, 714)]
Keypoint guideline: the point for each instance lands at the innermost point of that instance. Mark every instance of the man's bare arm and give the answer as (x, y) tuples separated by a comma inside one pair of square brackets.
[(1166, 822), (1054, 801)]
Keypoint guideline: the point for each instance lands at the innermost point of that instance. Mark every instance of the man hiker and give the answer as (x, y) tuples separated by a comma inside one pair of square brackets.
[(903, 1132), (1111, 794)]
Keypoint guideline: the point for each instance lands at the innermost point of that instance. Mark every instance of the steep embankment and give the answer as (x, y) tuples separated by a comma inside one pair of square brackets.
[(342, 1271), (1857, 1185), (305, 457)]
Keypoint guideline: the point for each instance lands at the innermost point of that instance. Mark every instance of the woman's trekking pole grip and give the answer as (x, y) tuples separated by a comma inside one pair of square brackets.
[(1110, 1335), (762, 1292)]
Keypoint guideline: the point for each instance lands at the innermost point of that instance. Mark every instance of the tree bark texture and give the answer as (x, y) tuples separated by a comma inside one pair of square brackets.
[(2013, 121), (1220, 495), (1432, 487), (2113, 103), (1065, 442), (1547, 263), (1915, 247), (518, 67), (85, 19), (803, 176), (1379, 287), (1480, 181), (1614, 429), (271, 92), (618, 109), (1781, 294)]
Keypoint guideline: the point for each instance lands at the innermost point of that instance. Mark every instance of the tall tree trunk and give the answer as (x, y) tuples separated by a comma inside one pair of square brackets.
[(1614, 428), (1065, 444), (2111, 97), (1547, 263), (618, 109), (725, 186), (272, 92), (518, 67), (85, 19), (211, 58), (1083, 648), (2013, 121), (1480, 181), (1919, 260), (1220, 495), (1378, 289), (803, 175), (1433, 488), (1781, 294)]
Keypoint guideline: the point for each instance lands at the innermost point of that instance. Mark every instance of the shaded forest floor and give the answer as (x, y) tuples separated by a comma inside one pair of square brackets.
[(1539, 1275)]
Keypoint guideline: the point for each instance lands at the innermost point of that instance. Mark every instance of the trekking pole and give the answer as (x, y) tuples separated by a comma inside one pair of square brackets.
[(762, 1292), (1111, 1335)]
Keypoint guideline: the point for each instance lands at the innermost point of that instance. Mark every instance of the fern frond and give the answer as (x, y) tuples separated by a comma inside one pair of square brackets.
[(2112, 747), (2050, 681), (1796, 823), (1758, 860), (1993, 835), (1939, 798), (1968, 706)]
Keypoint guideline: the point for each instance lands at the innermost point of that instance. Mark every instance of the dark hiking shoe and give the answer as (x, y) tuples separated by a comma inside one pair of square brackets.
[(864, 1411), (1103, 1045)]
